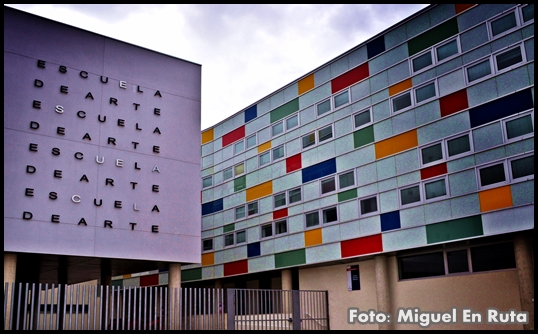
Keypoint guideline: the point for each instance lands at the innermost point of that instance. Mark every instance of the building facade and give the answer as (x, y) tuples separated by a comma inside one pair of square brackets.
[(398, 175)]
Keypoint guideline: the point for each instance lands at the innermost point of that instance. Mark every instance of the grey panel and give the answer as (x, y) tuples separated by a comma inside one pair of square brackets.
[(452, 82), (388, 201), (528, 30), (476, 54), (277, 99), (388, 58), (395, 37), (293, 147), (478, 14), (530, 68), (380, 96), (437, 212), (520, 219), (403, 122), (323, 253), (441, 12), (331, 234), (427, 113), (322, 75), (459, 164), (462, 182), (258, 123), (369, 226), (386, 168), (291, 92), (379, 81), (349, 230), (412, 217), (512, 81), (348, 211), (343, 144), (261, 263), (387, 184), (314, 96), (405, 239), (263, 107), (418, 25), (409, 178), (228, 126), (519, 147), (444, 128), (356, 158), (383, 129), (264, 135), (357, 57), (529, 49), (474, 37), (490, 155), (296, 223), (507, 40), (360, 90), (366, 174), (482, 92), (522, 193), (424, 77), (368, 190), (448, 66), (381, 110), (339, 66), (399, 72), (487, 136)]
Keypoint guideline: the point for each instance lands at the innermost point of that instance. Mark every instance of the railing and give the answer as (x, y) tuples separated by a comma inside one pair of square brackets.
[(32, 306)]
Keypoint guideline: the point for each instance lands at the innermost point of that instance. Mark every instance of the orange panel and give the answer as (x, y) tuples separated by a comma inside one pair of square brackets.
[(400, 87), (208, 259), (460, 7), (312, 237), (127, 276), (496, 198), (264, 147), (207, 136), (396, 144), (306, 84), (259, 191)]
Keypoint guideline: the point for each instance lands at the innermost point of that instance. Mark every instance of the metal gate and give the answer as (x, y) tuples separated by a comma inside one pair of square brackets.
[(31, 306), (254, 309)]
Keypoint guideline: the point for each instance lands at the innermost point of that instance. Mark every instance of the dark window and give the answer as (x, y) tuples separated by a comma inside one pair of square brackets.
[(410, 195), (328, 185), (281, 227), (207, 244), (368, 205), (228, 239), (312, 219), (362, 118), (522, 167), (267, 230), (458, 145), (401, 102), (329, 215), (422, 61), (508, 58), (425, 265), (457, 261), (528, 12), (492, 174), (493, 257), (295, 195), (519, 127), (432, 153), (503, 24)]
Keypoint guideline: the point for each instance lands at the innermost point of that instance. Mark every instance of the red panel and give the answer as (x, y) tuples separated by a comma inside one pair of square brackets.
[(349, 78), (432, 171), (361, 246), (293, 163), (280, 213), (232, 136), (236, 268), (453, 103), (150, 280)]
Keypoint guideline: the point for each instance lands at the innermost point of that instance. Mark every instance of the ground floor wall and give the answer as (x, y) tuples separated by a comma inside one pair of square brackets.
[(476, 291)]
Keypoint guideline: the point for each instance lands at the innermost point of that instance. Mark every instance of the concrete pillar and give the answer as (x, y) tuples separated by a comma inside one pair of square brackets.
[(286, 288), (10, 270), (382, 287), (174, 288), (286, 279), (525, 274)]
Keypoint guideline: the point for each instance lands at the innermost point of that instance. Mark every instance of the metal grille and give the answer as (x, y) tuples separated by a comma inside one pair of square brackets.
[(31, 306)]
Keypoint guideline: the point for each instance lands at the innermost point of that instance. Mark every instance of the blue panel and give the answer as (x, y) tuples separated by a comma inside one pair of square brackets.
[(508, 105), (319, 170), (390, 221), (251, 113), (212, 207), (376, 46), (253, 249)]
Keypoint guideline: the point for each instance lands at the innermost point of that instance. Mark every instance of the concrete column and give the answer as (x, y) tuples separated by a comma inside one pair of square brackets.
[(525, 274), (286, 279), (10, 270), (174, 289), (382, 287), (286, 288)]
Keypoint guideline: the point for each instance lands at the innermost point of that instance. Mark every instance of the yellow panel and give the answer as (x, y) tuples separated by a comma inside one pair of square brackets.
[(207, 136), (396, 144), (208, 259), (400, 87), (306, 84), (312, 237), (127, 276), (259, 191), (264, 147), (494, 199)]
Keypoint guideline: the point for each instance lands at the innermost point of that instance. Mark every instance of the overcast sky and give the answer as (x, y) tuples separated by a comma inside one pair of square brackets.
[(246, 51)]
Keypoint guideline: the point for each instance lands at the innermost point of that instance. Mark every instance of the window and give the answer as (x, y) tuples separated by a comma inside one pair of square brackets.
[(324, 107), (234, 238), (435, 189), (435, 55), (309, 140), (362, 118), (279, 200), (425, 92), (527, 12), (346, 179), (278, 227), (312, 219), (285, 125), (251, 141), (341, 99), (207, 245), (503, 24), (239, 169), (431, 154), (470, 259), (410, 195), (322, 135), (338, 100), (325, 133), (294, 195), (328, 215), (328, 185), (249, 209), (274, 154), (368, 205), (278, 153), (227, 173), (522, 167), (401, 102), (492, 174), (207, 181), (448, 148), (239, 147), (518, 127), (458, 145), (503, 61), (415, 96), (265, 158)]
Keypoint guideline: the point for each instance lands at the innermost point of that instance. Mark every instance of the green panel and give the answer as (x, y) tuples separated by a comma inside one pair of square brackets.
[(284, 110), (117, 282), (433, 36), (191, 274), (292, 258), (345, 195), (363, 136), (454, 229), (240, 183), (229, 227)]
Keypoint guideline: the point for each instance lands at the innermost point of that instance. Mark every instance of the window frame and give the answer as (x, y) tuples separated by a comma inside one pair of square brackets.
[(493, 66), (339, 187), (210, 177), (415, 102), (234, 238), (359, 112), (514, 117), (432, 50), (274, 233), (415, 203), (284, 123), (316, 134), (255, 136), (510, 171), (246, 211), (209, 249), (339, 93), (321, 217), (333, 177), (511, 67), (289, 197), (401, 94), (469, 135), (435, 162), (522, 18), (500, 16), (432, 180), (496, 184), (368, 214), (285, 201)]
